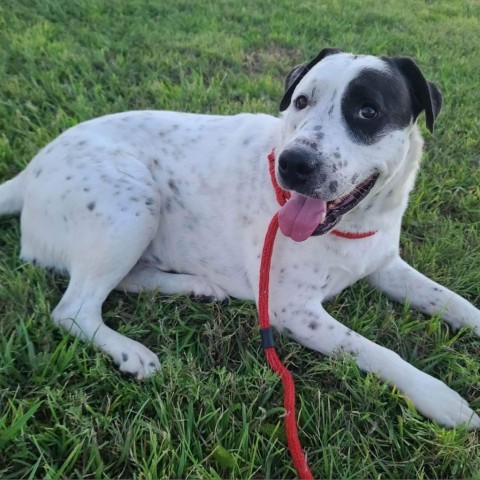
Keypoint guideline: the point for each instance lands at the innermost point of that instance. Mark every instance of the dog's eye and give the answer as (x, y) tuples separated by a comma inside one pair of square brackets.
[(301, 102), (368, 111)]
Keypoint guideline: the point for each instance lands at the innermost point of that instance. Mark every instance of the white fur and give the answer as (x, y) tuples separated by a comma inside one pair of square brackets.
[(120, 201)]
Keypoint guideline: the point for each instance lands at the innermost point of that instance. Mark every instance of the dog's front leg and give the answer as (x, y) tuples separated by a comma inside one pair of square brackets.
[(321, 332), (403, 283)]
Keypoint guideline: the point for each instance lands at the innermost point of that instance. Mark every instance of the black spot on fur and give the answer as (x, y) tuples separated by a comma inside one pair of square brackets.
[(68, 177), (91, 206), (246, 220), (37, 172), (308, 143), (124, 356), (86, 189), (313, 325), (333, 186), (151, 364), (106, 179), (149, 201), (173, 186), (179, 202)]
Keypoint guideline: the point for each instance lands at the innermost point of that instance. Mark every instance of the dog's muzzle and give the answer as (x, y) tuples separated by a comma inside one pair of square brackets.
[(295, 167), (307, 215)]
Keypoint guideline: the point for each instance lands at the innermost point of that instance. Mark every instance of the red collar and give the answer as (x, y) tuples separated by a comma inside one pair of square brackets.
[(284, 195)]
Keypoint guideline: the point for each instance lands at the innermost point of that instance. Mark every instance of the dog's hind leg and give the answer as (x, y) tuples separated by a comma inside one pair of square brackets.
[(97, 231), (80, 313), (94, 274)]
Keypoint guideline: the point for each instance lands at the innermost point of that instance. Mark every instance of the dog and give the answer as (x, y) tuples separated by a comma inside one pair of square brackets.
[(181, 202)]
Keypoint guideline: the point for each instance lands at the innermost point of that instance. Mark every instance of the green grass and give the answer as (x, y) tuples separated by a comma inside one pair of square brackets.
[(215, 411)]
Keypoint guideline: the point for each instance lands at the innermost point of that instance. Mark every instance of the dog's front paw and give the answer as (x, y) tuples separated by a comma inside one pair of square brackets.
[(135, 359), (435, 400)]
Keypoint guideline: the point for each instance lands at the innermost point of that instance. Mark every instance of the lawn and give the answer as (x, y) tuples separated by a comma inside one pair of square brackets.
[(214, 410)]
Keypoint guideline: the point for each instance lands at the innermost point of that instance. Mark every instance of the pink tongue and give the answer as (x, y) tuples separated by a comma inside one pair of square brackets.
[(300, 216)]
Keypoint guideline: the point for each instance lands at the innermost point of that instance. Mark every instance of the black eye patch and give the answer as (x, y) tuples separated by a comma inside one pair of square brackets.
[(387, 94)]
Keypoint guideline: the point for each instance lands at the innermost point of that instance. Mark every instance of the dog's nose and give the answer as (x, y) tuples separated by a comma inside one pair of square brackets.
[(295, 166)]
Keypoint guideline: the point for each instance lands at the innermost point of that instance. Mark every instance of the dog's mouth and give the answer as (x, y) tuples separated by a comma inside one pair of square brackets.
[(302, 217)]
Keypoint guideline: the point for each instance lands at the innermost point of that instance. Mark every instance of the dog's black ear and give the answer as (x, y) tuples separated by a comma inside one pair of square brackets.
[(425, 95), (294, 77)]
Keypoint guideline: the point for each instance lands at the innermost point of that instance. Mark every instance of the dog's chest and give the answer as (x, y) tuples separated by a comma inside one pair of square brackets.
[(322, 267)]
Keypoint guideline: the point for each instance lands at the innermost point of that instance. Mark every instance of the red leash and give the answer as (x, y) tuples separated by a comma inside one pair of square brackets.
[(266, 333), (294, 446), (299, 460)]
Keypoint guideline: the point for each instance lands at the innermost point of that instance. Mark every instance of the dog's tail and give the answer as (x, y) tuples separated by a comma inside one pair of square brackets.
[(11, 196)]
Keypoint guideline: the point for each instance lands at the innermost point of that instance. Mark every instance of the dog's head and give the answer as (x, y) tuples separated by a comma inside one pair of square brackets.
[(346, 123)]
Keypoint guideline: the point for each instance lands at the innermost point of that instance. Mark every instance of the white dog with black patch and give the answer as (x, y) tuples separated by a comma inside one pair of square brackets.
[(181, 202)]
